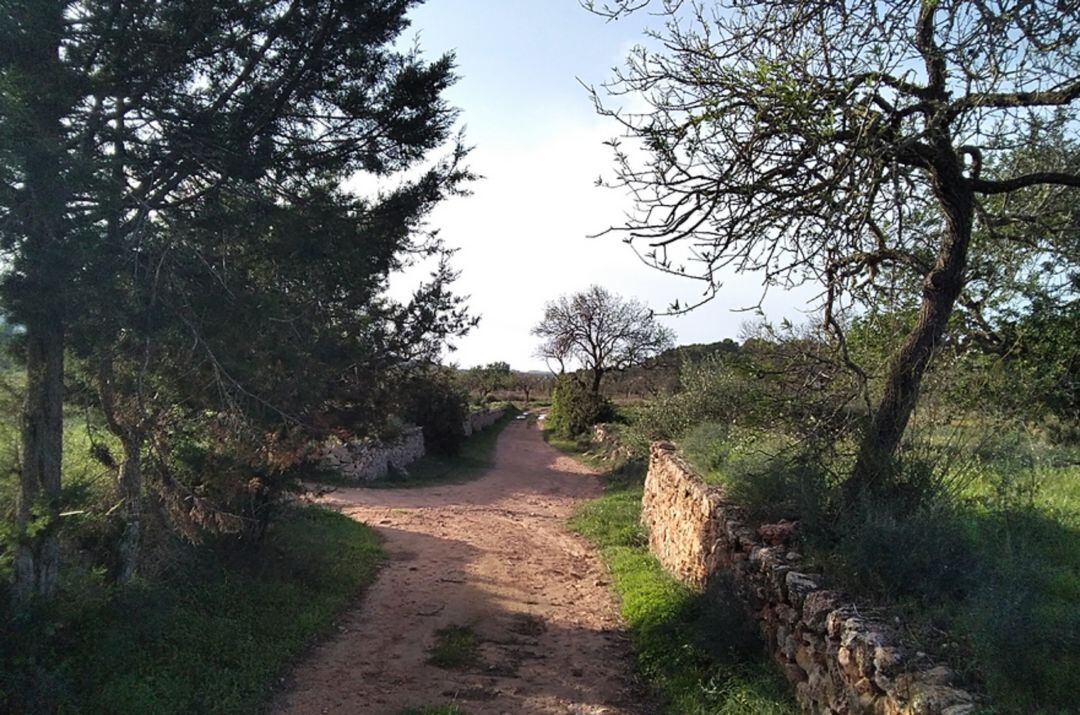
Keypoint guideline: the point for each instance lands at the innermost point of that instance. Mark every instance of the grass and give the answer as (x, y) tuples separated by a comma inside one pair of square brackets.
[(88, 490), (978, 552), (475, 457), (434, 710), (699, 651), (456, 648), (213, 640)]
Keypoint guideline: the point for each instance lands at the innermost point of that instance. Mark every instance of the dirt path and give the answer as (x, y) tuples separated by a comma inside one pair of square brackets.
[(493, 555)]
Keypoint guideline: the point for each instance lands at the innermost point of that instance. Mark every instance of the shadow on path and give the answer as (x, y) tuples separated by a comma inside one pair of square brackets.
[(493, 555)]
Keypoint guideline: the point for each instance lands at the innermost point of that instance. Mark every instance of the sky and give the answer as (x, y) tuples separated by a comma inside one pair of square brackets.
[(523, 234)]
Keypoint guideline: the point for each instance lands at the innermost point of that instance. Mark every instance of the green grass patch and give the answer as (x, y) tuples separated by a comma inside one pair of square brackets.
[(976, 547), (212, 639), (699, 651), (456, 647)]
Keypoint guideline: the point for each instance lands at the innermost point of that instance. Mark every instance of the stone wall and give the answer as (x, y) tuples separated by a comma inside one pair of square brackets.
[(482, 419), (368, 459), (838, 658), (609, 441)]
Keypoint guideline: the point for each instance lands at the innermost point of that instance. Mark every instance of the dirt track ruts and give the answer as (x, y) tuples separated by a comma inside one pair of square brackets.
[(493, 554)]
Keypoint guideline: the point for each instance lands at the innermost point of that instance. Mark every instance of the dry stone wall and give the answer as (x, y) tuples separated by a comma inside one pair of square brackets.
[(482, 419), (368, 459), (609, 441), (838, 658)]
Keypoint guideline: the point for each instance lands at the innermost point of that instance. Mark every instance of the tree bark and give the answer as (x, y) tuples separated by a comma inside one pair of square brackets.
[(129, 485), (941, 287), (37, 559), (131, 431), (41, 306)]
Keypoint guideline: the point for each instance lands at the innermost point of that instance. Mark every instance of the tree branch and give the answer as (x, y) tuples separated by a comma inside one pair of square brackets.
[(984, 186)]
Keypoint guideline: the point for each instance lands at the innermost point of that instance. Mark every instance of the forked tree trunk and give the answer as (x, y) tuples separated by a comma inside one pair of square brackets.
[(37, 558), (941, 287), (131, 431)]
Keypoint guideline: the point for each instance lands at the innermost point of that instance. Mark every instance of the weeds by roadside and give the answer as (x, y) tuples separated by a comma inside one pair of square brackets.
[(211, 639), (975, 546), (697, 650), (456, 647)]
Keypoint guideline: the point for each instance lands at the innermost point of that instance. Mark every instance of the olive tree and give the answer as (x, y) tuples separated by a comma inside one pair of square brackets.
[(601, 332), (847, 143)]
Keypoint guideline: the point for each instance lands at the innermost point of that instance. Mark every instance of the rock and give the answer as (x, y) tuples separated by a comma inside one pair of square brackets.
[(800, 585), (794, 673), (816, 607), (839, 660), (777, 534)]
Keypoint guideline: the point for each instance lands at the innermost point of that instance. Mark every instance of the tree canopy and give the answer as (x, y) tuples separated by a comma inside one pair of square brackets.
[(851, 143), (601, 332), (172, 215)]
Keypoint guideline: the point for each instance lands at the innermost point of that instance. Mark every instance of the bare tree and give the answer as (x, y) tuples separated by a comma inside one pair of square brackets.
[(600, 331), (848, 143)]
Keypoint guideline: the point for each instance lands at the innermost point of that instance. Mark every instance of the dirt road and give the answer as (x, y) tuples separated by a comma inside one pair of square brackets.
[(492, 555)]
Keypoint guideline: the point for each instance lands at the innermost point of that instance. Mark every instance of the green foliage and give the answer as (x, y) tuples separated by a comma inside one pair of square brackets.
[(433, 401), (699, 651), (1039, 378), (1029, 368), (456, 648), (210, 638), (669, 417), (575, 408), (211, 280), (614, 519), (661, 374), (434, 710), (483, 380), (981, 542)]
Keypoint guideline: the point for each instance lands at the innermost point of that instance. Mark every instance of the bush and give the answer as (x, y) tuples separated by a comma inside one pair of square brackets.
[(710, 391), (434, 401), (574, 408), (213, 636)]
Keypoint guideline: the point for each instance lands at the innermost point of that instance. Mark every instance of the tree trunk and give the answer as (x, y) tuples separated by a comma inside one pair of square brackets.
[(597, 378), (41, 305), (941, 287), (131, 431), (37, 559), (129, 485)]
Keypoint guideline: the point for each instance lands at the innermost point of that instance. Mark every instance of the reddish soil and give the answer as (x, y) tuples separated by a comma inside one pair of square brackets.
[(494, 555)]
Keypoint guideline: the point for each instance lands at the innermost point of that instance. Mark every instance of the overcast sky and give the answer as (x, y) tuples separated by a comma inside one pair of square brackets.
[(523, 234)]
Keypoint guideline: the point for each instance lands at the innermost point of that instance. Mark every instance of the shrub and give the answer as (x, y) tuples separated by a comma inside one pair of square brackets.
[(574, 408), (434, 401)]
